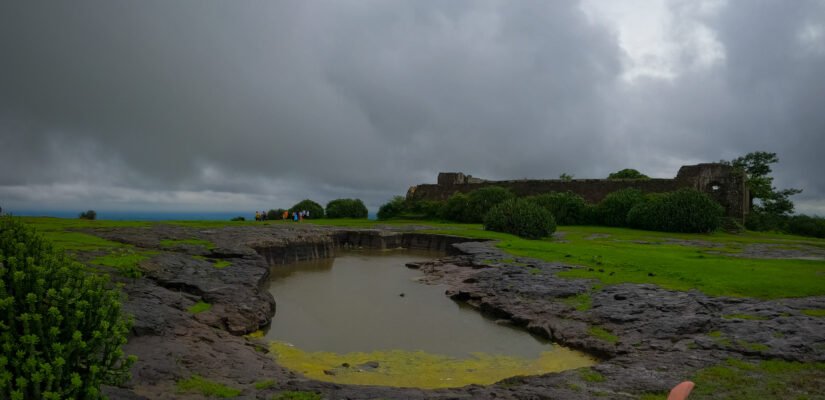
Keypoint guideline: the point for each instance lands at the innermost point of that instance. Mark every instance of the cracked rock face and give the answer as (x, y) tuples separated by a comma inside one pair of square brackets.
[(650, 338)]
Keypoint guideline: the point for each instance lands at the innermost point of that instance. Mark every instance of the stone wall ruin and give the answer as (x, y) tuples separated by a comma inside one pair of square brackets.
[(720, 181)]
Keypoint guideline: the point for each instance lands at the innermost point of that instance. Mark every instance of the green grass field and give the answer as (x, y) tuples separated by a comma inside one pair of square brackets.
[(706, 262), (711, 263)]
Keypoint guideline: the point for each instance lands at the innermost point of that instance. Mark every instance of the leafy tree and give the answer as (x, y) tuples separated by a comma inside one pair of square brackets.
[(275, 214), (392, 209), (346, 208), (566, 177), (90, 215), (315, 209), (757, 167), (423, 209), (628, 173), (61, 327), (455, 209)]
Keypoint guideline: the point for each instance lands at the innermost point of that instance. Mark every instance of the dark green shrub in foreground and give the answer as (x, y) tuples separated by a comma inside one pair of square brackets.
[(480, 201), (685, 210), (455, 209), (520, 217), (613, 209), (90, 215), (392, 209), (807, 226), (61, 328), (346, 208), (315, 209), (567, 208)]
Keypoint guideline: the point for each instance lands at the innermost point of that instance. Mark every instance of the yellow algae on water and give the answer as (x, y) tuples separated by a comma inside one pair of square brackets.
[(402, 368)]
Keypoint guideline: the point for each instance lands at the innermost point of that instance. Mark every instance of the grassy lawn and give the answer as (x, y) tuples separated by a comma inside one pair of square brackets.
[(768, 379), (672, 260), (676, 261)]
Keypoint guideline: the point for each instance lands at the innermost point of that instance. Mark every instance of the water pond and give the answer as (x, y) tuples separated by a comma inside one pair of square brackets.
[(363, 318)]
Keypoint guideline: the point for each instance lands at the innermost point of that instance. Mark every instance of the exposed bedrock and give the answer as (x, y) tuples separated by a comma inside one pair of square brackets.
[(654, 337)]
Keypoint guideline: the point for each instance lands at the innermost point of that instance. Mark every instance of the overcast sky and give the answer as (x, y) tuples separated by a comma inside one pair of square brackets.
[(244, 105)]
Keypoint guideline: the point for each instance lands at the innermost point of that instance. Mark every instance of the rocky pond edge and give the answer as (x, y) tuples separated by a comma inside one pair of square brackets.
[(647, 338)]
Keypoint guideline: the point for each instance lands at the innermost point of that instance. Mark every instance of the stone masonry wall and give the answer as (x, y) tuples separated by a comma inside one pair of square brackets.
[(719, 181)]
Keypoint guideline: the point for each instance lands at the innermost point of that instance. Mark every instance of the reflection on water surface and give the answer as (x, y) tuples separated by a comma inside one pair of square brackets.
[(362, 307)]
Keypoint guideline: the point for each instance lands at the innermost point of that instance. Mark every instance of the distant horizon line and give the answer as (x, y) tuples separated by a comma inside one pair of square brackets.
[(139, 215)]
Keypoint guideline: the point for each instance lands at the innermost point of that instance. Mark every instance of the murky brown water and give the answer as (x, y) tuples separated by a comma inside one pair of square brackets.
[(353, 303)]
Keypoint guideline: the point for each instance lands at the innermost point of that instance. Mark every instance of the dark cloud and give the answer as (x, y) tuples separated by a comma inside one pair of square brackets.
[(214, 104)]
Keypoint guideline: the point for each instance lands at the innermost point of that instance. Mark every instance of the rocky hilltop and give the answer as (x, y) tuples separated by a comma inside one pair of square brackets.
[(648, 338)]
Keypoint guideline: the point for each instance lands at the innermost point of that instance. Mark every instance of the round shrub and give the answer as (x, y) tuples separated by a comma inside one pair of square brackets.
[(627, 173), (346, 208), (567, 208), (480, 201), (315, 209), (685, 210), (520, 217), (392, 209), (613, 209), (455, 209), (61, 327)]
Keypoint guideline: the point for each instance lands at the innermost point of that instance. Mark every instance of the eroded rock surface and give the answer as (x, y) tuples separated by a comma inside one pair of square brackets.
[(649, 338)]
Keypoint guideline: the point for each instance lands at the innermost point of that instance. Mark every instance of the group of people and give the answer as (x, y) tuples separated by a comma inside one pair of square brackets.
[(296, 215)]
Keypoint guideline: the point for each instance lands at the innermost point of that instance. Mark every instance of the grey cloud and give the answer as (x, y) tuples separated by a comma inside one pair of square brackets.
[(278, 101)]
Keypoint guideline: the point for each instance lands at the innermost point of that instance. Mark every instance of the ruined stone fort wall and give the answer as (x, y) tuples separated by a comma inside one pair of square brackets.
[(717, 180)]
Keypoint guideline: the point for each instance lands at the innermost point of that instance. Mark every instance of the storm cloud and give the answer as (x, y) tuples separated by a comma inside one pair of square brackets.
[(233, 105)]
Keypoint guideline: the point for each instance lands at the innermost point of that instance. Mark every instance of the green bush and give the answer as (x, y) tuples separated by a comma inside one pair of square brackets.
[(567, 208), (520, 217), (422, 209), (455, 209), (480, 201), (61, 327), (90, 215), (613, 209), (590, 214), (315, 209), (685, 210), (807, 226), (238, 218), (346, 208), (627, 173), (392, 209), (766, 222)]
